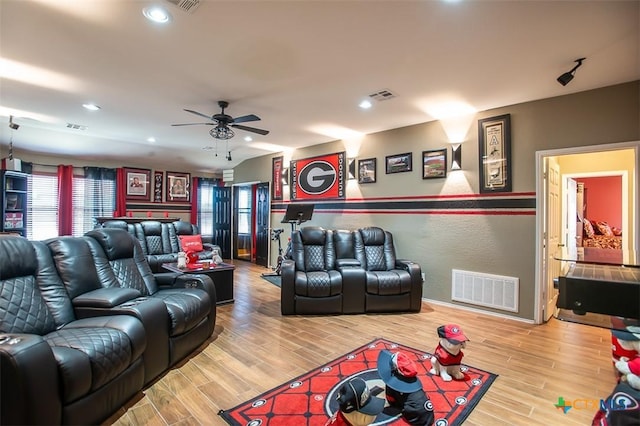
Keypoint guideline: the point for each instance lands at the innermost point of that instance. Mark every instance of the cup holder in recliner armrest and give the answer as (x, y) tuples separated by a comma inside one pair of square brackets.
[(347, 263)]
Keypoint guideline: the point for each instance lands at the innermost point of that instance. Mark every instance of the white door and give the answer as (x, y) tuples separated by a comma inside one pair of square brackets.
[(570, 217), (552, 243)]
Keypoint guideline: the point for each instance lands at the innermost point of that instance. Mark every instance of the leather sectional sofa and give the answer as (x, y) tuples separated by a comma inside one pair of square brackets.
[(347, 272), (160, 241), (85, 325)]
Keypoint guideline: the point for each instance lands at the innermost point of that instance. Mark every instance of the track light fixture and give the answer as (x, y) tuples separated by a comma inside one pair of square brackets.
[(565, 78)]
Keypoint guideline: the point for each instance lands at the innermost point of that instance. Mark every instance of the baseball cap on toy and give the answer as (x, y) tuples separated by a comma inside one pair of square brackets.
[(452, 332), (398, 371), (354, 395)]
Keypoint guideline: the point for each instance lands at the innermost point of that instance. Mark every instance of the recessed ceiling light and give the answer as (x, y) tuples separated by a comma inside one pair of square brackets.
[(91, 107), (151, 139), (248, 138), (366, 104), (156, 14)]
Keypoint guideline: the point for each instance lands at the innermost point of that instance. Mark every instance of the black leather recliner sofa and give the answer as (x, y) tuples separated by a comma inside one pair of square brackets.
[(347, 272), (160, 241), (85, 325), (57, 368)]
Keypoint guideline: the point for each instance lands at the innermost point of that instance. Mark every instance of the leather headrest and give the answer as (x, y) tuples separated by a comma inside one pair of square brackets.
[(183, 228), (17, 257), (151, 227), (372, 236), (116, 243), (120, 224), (313, 235)]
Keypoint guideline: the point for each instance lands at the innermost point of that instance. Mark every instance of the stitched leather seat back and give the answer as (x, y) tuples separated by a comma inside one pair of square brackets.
[(312, 249), (23, 309), (374, 249), (155, 237), (120, 261), (74, 263), (344, 244)]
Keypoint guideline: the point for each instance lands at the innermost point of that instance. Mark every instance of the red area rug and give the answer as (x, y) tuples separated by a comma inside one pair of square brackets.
[(310, 398)]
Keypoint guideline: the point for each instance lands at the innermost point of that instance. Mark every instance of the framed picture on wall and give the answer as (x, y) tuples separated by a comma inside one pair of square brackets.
[(399, 163), (494, 138), (138, 184), (367, 170), (434, 164), (158, 177), (276, 178), (178, 187)]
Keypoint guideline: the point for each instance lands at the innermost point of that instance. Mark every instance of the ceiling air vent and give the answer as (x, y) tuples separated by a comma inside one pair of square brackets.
[(188, 6), (382, 95), (76, 126)]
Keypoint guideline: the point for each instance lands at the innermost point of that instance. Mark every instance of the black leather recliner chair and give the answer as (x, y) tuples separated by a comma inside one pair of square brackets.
[(310, 282), (190, 299), (391, 284), (56, 368)]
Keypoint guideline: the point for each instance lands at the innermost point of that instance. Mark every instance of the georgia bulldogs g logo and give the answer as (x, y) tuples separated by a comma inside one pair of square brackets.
[(317, 177), (321, 177)]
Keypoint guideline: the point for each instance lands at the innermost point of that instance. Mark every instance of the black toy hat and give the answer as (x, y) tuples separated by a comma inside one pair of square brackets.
[(354, 395)]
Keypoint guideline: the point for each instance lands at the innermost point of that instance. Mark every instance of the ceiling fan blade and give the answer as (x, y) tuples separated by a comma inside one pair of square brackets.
[(199, 113), (194, 124), (251, 129), (246, 118)]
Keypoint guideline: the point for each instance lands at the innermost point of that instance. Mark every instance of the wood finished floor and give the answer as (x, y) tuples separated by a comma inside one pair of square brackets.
[(254, 348)]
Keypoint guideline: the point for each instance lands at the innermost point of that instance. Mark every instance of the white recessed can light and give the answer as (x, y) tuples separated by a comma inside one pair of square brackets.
[(151, 139), (156, 14), (248, 138), (366, 104), (91, 107)]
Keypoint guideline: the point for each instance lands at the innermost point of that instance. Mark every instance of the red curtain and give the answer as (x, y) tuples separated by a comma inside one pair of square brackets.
[(65, 200), (194, 201), (121, 193)]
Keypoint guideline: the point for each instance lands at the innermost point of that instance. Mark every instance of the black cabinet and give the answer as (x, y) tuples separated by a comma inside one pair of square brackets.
[(13, 201)]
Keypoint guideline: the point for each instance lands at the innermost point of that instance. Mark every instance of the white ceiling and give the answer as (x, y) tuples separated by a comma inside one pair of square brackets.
[(302, 66)]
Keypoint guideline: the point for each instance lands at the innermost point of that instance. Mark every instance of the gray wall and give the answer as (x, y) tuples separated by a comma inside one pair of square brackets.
[(483, 242)]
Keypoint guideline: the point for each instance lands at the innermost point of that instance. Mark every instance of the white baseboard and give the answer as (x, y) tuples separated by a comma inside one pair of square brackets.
[(478, 311)]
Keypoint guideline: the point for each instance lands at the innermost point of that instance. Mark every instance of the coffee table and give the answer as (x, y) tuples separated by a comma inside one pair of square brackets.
[(221, 275)]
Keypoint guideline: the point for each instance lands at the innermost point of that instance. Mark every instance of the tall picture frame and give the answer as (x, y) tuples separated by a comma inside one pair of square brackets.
[(276, 177), (494, 139), (434, 163), (177, 187), (138, 184), (367, 170)]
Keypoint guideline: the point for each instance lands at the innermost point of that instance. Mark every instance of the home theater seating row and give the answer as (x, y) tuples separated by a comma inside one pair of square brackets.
[(161, 241), (85, 325), (347, 272)]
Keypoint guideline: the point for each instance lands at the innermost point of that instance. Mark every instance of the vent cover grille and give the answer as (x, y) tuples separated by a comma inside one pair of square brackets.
[(76, 126), (382, 95), (188, 6), (493, 291)]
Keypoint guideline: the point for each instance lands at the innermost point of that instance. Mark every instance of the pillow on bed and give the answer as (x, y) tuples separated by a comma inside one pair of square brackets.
[(588, 228), (604, 228)]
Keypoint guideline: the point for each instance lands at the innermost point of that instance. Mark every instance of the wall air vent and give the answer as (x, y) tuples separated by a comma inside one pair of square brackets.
[(188, 6), (382, 95), (76, 126)]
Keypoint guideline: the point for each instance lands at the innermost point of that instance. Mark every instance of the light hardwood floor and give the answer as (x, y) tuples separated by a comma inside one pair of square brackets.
[(254, 348)]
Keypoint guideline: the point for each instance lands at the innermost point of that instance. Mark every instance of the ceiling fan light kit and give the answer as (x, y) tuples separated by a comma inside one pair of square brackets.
[(223, 123)]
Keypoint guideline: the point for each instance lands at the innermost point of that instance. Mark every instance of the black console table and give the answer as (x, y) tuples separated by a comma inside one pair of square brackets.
[(599, 282)]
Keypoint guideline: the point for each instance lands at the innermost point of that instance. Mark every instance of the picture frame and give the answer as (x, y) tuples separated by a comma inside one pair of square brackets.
[(434, 164), (158, 178), (399, 163), (177, 187), (494, 139), (276, 178), (367, 170), (138, 184)]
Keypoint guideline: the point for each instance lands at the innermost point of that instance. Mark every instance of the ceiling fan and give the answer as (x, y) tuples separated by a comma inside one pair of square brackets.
[(223, 122)]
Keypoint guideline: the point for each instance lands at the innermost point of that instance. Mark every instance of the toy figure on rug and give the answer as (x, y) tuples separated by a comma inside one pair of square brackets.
[(448, 354), (358, 407), (403, 389)]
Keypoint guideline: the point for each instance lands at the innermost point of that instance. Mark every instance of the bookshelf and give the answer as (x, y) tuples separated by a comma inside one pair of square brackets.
[(13, 201)]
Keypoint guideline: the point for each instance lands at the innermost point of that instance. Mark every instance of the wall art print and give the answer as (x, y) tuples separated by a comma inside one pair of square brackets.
[(138, 184), (494, 138), (321, 177)]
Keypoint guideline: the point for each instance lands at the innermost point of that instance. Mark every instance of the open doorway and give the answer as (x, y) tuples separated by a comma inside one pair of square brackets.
[(251, 215), (551, 234)]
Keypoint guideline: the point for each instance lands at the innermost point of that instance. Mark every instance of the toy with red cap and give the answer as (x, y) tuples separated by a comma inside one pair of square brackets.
[(447, 357)]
